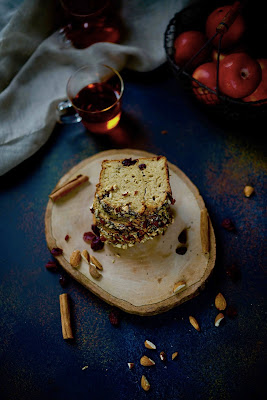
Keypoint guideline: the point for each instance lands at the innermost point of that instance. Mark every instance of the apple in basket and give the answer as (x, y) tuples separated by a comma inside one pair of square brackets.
[(261, 91), (186, 45), (223, 54), (239, 75), (234, 33), (205, 74)]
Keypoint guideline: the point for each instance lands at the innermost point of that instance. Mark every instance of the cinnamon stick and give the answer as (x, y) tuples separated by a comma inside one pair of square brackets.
[(204, 230), (65, 316), (68, 187)]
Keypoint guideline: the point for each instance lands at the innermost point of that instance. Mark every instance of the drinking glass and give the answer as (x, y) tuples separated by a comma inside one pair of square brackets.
[(90, 21), (95, 94)]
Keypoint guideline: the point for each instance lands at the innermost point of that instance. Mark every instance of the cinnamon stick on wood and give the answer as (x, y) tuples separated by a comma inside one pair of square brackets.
[(204, 230), (65, 316), (68, 187)]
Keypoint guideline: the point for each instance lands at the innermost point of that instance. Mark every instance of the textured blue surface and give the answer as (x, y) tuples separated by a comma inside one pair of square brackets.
[(228, 362)]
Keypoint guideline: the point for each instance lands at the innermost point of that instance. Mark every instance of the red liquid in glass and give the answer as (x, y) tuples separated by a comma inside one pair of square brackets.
[(89, 22), (99, 107)]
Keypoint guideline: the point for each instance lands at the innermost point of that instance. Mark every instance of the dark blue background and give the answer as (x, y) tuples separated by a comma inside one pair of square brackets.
[(228, 362)]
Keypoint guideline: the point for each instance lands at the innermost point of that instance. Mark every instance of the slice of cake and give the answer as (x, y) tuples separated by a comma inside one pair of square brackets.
[(132, 200)]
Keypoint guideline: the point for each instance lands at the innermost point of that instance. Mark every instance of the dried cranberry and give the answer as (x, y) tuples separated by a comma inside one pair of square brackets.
[(233, 272), (67, 238), (231, 312), (51, 265), (128, 161), (88, 236), (56, 251), (95, 229), (63, 280), (96, 244), (142, 166), (182, 238), (181, 250), (227, 224), (114, 317)]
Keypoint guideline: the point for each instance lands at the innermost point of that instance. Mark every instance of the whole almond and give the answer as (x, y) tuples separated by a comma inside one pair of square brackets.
[(218, 319), (150, 345), (178, 286), (194, 323), (86, 256), (248, 190), (94, 272), (174, 355), (144, 383), (220, 302), (75, 258), (163, 356), (146, 361), (96, 263)]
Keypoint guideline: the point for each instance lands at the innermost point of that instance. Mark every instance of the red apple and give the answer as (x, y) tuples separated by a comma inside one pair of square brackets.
[(235, 49), (206, 74), (261, 91), (214, 55), (186, 45), (234, 33), (239, 75)]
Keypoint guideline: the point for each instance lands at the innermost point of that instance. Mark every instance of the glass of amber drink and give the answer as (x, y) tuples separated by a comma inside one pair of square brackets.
[(95, 92)]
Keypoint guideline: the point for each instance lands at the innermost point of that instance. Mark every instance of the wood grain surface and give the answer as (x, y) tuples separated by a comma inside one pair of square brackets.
[(138, 280)]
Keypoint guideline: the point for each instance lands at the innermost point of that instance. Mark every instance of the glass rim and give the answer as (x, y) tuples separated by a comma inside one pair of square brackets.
[(95, 13), (104, 109)]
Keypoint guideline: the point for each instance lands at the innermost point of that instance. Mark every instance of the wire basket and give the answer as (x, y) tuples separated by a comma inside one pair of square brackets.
[(194, 18)]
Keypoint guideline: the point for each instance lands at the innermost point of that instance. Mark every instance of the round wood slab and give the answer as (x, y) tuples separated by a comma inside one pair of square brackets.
[(139, 280)]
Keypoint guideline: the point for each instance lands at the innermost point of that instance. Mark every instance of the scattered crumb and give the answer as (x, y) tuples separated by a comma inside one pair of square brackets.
[(164, 132), (85, 367)]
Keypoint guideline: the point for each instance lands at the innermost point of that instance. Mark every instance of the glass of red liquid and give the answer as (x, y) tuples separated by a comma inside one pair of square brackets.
[(95, 93), (86, 22)]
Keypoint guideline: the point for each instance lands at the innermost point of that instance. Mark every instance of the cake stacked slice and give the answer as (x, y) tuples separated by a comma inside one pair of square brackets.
[(132, 200)]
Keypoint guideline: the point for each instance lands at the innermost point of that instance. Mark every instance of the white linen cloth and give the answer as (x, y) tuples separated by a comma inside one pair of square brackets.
[(35, 67)]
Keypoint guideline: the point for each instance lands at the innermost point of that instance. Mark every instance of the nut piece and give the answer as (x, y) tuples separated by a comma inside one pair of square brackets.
[(162, 356), (130, 365), (144, 383), (146, 361), (218, 319), (96, 263), (94, 272), (194, 323), (248, 190), (174, 355), (178, 286), (75, 258), (86, 256), (220, 302), (150, 345)]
